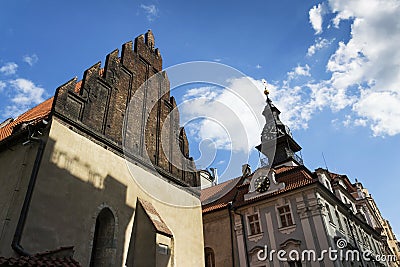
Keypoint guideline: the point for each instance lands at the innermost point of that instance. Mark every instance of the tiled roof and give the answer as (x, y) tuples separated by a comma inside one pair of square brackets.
[(351, 188), (37, 261), (59, 257), (284, 169), (293, 177), (33, 115), (155, 218), (218, 196), (212, 191)]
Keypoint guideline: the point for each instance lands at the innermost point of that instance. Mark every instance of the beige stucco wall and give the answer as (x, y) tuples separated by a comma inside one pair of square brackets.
[(77, 179), (16, 164)]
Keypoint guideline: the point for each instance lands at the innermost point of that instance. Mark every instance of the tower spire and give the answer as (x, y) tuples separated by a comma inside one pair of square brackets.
[(277, 143)]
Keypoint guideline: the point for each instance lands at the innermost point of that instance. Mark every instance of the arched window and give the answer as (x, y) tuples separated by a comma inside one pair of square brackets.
[(210, 257), (103, 251)]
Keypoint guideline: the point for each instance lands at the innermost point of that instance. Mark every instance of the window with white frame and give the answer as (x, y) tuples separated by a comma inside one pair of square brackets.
[(328, 209), (285, 216), (254, 224), (339, 220)]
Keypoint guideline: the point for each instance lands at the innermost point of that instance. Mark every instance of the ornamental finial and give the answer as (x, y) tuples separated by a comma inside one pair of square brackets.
[(266, 92)]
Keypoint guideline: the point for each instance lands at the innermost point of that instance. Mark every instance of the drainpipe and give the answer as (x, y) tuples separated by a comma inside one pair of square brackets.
[(232, 232), (16, 246)]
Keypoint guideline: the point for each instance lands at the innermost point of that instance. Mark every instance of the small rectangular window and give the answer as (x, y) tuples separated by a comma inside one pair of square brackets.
[(254, 224), (162, 249), (285, 216), (328, 208)]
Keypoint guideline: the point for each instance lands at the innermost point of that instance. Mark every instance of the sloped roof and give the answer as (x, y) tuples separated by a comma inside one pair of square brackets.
[(155, 218), (351, 188), (293, 176), (36, 261), (33, 115), (219, 196), (212, 191), (59, 257), (292, 180)]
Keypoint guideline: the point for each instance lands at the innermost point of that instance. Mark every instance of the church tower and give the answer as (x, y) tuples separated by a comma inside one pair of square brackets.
[(277, 142)]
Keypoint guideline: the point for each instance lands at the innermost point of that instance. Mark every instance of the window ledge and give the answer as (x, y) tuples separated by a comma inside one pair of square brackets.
[(288, 229), (256, 237)]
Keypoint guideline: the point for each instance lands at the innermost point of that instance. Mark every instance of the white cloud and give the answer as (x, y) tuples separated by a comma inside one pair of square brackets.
[(207, 92), (302, 71), (258, 66), (24, 94), (316, 17), (9, 68), (150, 10), (382, 109), (369, 62), (360, 122), (299, 71), (319, 44), (234, 114), (31, 60), (364, 71), (348, 121), (2, 86)]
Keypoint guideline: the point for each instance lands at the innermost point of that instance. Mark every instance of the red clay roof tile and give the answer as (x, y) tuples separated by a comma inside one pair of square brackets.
[(155, 218), (293, 177), (35, 114)]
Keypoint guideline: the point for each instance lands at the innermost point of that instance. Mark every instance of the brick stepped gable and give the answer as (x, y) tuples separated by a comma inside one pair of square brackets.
[(97, 104)]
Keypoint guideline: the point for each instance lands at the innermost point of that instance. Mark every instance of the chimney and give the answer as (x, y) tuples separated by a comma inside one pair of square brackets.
[(214, 173)]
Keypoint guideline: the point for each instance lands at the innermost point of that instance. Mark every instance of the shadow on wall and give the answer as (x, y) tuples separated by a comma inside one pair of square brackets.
[(65, 210), (148, 246)]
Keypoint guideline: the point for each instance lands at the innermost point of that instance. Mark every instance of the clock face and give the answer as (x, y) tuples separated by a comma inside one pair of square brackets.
[(261, 184), (269, 132)]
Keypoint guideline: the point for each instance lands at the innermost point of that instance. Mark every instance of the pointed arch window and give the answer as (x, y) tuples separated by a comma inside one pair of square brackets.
[(103, 251), (209, 257)]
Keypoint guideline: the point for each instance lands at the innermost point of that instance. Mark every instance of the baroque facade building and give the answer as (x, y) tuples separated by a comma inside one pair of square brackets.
[(65, 185), (283, 214)]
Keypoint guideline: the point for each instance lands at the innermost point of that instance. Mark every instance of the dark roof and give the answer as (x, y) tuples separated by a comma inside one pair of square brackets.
[(59, 257)]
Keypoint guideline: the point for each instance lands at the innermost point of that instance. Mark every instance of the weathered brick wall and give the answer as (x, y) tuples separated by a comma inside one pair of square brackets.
[(98, 104)]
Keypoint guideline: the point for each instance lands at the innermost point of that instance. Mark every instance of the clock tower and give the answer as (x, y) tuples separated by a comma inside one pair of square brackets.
[(277, 142)]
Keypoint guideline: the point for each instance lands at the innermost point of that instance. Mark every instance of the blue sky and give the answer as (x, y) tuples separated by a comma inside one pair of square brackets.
[(332, 67)]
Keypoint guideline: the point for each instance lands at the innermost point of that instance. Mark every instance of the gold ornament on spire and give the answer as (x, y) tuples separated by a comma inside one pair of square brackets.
[(266, 91)]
